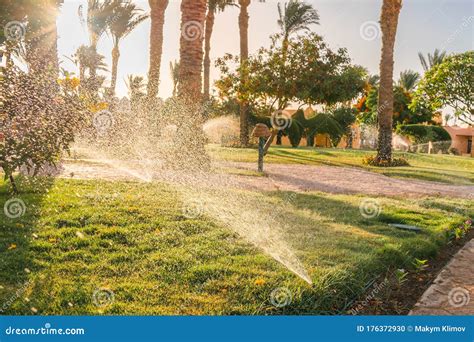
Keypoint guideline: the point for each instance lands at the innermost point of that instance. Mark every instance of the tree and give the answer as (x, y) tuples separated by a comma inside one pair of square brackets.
[(450, 84), (432, 59), (127, 18), (388, 22), (136, 88), (157, 15), (315, 74), (296, 16), (213, 7), (244, 55), (408, 80)]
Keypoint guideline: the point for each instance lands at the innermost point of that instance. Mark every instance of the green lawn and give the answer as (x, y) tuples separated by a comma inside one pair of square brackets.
[(440, 168), (133, 239)]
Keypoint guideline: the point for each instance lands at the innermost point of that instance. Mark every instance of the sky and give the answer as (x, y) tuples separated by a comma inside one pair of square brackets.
[(424, 25)]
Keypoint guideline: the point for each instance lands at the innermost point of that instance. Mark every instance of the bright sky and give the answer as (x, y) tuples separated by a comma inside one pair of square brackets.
[(424, 25)]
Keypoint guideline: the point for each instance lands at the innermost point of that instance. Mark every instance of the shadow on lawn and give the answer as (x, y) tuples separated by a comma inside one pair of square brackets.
[(15, 236)]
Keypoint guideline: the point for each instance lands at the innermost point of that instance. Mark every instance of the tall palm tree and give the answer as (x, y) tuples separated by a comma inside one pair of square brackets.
[(432, 59), (136, 87), (213, 7), (408, 80), (193, 14), (157, 15), (295, 16), (388, 23), (99, 16), (127, 18), (244, 55)]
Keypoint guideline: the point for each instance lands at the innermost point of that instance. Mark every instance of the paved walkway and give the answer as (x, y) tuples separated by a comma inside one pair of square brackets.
[(452, 292), (286, 177)]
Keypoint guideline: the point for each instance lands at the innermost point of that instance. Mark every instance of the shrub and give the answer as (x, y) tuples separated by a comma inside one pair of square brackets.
[(422, 134), (373, 161)]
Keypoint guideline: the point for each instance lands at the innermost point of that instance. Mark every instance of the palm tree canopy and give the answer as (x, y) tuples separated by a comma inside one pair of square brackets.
[(126, 16), (135, 84), (432, 59), (408, 80), (99, 16), (296, 16), (220, 5), (88, 58)]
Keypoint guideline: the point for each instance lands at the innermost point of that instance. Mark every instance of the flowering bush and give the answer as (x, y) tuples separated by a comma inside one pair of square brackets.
[(38, 120), (373, 161)]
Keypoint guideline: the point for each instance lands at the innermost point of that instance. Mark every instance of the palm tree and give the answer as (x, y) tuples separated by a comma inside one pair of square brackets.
[(432, 59), (127, 18), (157, 15), (213, 7), (294, 17), (408, 80), (136, 87), (174, 73), (100, 14), (193, 14), (244, 55), (388, 23)]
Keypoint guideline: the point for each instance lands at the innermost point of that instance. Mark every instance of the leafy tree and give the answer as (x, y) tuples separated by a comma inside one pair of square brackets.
[(313, 74), (450, 84)]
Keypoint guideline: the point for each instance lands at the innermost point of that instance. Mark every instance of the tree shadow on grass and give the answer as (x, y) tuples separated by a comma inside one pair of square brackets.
[(19, 215)]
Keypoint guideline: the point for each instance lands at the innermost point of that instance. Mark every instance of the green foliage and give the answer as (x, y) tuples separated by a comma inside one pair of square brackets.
[(421, 134), (449, 84), (310, 73), (295, 133), (373, 161), (325, 124)]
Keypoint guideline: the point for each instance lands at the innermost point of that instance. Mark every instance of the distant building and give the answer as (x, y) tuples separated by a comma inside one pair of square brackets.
[(461, 139)]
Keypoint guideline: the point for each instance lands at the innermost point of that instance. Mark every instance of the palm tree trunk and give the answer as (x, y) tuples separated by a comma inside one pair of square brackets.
[(157, 15), (389, 22), (207, 50), (244, 55), (115, 60)]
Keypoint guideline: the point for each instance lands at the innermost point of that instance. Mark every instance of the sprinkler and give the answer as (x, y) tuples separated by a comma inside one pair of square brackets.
[(261, 132)]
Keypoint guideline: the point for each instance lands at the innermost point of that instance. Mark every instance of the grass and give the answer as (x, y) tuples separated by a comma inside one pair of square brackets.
[(130, 238), (439, 168)]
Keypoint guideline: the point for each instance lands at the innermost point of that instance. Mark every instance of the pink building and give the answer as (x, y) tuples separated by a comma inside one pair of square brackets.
[(461, 139)]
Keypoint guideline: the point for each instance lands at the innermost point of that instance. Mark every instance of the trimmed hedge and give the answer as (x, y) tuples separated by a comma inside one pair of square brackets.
[(422, 134)]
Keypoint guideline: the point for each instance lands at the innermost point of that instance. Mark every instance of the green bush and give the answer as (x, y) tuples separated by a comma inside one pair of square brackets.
[(422, 134), (373, 161)]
